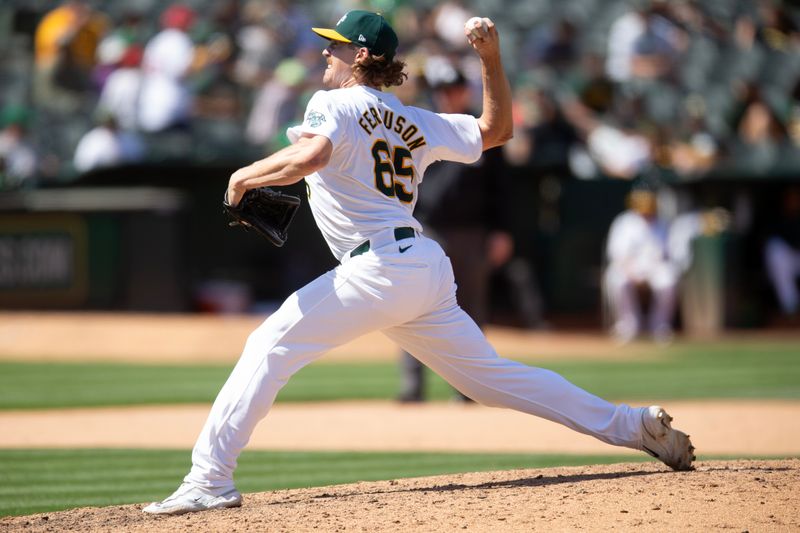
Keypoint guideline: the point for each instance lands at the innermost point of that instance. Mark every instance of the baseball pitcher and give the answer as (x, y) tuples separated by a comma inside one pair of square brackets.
[(363, 155)]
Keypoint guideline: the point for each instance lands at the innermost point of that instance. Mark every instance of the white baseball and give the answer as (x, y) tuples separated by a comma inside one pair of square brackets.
[(477, 28)]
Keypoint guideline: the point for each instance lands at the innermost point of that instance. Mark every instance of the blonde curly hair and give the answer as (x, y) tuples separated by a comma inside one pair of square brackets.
[(378, 71)]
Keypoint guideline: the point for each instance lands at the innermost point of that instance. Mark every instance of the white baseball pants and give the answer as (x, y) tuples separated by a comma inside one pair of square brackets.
[(410, 297), (662, 278)]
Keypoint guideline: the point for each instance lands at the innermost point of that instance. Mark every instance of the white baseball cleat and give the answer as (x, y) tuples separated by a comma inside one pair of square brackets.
[(191, 498), (669, 445)]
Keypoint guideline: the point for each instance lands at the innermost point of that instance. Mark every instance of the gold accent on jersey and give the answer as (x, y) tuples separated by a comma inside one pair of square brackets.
[(400, 157)]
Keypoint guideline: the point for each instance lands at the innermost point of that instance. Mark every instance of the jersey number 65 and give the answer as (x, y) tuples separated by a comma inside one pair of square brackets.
[(393, 164)]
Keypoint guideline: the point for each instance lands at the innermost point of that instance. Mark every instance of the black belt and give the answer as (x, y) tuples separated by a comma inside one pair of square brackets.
[(399, 235)]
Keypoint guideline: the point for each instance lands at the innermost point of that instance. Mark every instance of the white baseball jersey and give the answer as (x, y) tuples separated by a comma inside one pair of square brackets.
[(381, 149), (638, 245)]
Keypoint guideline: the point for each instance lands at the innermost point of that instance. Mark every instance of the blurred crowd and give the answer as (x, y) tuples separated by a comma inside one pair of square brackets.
[(601, 88), (616, 89)]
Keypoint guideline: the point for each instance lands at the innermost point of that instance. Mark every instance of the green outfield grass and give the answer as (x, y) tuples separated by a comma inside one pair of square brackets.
[(33, 481), (685, 371)]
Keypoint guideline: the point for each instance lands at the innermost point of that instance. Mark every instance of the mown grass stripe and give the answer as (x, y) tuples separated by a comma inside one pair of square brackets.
[(101, 471), (685, 371)]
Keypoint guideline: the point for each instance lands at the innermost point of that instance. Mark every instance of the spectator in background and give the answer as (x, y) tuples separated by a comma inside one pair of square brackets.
[(276, 103), (549, 134), (448, 20), (695, 150), (18, 159), (290, 23), (465, 208), (259, 47), (109, 54), (638, 257), (777, 29), (643, 43), (759, 130), (622, 37), (120, 94), (657, 48), (217, 92), (618, 146), (131, 26), (106, 145), (553, 46), (65, 44), (165, 100), (112, 48), (757, 123), (590, 83), (782, 251)]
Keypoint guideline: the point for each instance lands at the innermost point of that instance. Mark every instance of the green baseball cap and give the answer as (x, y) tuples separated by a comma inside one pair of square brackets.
[(363, 28)]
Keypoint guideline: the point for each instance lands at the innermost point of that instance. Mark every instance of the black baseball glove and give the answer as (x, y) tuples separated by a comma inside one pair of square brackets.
[(266, 211)]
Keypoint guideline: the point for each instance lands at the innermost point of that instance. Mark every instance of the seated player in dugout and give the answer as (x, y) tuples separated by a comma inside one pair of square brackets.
[(637, 254), (362, 187)]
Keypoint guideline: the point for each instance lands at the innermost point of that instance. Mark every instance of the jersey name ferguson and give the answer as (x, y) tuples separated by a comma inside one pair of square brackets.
[(381, 149)]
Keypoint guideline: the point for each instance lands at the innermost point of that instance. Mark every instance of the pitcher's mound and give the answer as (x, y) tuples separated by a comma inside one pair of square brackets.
[(731, 495)]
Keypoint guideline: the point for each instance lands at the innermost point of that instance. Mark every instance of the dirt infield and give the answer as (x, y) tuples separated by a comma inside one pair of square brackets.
[(737, 428), (198, 338), (195, 339), (732, 495)]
